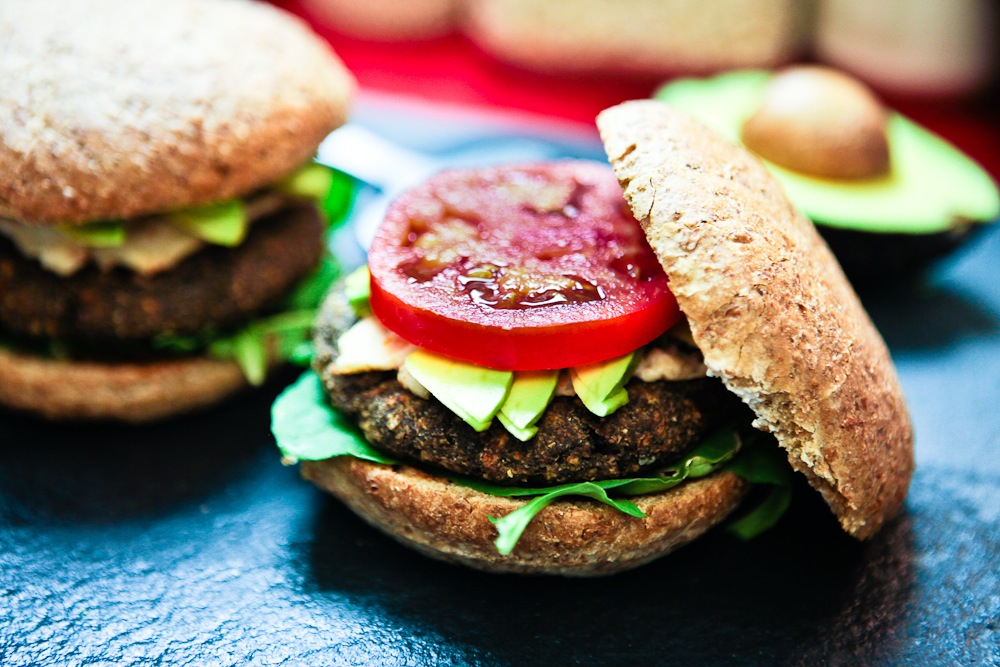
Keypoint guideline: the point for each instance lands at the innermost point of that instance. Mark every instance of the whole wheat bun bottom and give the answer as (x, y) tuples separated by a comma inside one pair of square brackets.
[(569, 537), (131, 392)]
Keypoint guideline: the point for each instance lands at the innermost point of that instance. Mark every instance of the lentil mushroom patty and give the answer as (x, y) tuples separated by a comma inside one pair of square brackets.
[(660, 421), (216, 286)]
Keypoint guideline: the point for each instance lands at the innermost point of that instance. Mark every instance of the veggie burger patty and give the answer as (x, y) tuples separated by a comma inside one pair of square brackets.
[(216, 286), (161, 246), (659, 423)]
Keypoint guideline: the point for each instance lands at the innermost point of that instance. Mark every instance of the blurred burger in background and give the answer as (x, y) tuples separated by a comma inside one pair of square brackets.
[(160, 236), (588, 35)]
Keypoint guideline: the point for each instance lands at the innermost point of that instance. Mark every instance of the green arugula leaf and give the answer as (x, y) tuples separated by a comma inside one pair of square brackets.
[(339, 198), (306, 428), (712, 454), (512, 526), (764, 516), (310, 292), (762, 464), (255, 345), (302, 354)]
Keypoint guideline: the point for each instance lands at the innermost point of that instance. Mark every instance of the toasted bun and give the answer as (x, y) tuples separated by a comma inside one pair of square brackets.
[(640, 35), (569, 537), (769, 307), (130, 392), (122, 108)]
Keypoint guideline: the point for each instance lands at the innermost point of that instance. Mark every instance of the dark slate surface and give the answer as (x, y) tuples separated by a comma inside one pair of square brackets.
[(189, 544)]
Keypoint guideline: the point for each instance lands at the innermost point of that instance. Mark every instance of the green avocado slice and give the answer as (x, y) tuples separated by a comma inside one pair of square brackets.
[(311, 181), (530, 394), (932, 186), (222, 223), (357, 289), (473, 393), (601, 385), (105, 234)]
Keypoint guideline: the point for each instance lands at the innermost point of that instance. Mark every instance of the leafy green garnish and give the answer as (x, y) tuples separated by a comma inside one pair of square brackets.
[(712, 454), (760, 464), (255, 344), (222, 223), (339, 198), (306, 428), (510, 527), (310, 292), (765, 515), (107, 234)]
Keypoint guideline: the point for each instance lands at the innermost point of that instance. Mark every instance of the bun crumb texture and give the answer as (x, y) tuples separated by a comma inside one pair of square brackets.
[(769, 308)]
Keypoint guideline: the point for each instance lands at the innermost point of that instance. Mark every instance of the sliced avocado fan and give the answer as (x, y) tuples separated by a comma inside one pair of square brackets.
[(931, 186)]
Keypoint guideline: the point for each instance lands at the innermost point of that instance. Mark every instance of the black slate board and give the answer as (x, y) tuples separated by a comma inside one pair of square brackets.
[(188, 544)]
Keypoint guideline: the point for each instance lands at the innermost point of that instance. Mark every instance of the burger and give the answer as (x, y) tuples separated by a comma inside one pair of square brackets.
[(543, 376), (160, 233)]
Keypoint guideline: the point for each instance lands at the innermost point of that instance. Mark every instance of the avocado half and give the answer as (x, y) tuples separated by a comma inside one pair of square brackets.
[(932, 199)]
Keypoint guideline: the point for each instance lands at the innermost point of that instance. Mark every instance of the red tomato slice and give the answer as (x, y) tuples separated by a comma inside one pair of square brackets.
[(519, 268)]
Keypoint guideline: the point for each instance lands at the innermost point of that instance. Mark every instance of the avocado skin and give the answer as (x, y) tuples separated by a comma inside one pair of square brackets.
[(875, 258)]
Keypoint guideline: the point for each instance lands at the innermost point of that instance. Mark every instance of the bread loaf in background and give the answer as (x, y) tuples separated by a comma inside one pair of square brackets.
[(386, 20), (649, 36)]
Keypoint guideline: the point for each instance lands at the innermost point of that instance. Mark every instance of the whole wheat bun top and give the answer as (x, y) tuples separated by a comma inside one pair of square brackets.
[(119, 108), (769, 307)]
